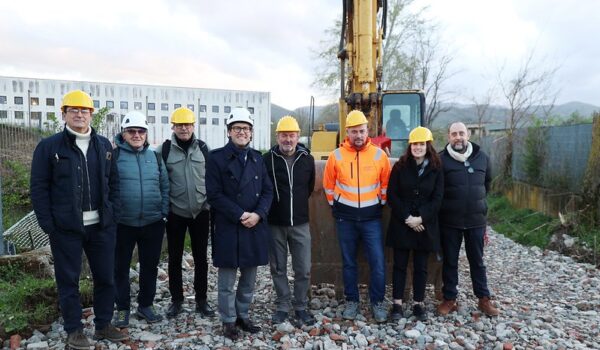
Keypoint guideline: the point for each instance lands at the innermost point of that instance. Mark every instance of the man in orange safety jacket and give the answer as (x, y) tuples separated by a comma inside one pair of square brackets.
[(355, 183)]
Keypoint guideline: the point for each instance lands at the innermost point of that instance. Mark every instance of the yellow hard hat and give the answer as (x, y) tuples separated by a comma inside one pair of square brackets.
[(183, 115), (420, 134), (287, 123), (355, 118), (77, 98)]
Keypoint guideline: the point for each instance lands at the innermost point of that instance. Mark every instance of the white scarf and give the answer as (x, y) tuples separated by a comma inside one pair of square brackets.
[(460, 157), (81, 140)]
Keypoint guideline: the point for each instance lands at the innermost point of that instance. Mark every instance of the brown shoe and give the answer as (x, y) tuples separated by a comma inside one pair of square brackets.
[(486, 306), (110, 333), (446, 307)]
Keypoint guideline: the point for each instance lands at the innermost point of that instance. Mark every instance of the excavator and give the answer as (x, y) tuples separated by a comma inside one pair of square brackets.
[(391, 114)]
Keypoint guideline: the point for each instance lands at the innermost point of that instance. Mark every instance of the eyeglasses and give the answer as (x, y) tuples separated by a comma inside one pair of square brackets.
[(83, 111), (468, 165), (132, 132), (239, 129), (183, 126)]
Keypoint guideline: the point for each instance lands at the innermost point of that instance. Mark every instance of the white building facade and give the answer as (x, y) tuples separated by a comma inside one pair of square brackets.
[(36, 103)]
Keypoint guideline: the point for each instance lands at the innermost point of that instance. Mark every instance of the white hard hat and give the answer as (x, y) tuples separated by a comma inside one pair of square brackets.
[(134, 119), (240, 114)]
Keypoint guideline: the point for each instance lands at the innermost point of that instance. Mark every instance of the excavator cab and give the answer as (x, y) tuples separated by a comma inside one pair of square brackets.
[(401, 112)]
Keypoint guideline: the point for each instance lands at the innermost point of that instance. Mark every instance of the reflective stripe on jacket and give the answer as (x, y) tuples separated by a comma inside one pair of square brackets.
[(355, 182)]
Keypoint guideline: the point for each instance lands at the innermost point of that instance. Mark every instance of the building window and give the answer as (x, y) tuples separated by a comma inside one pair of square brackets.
[(164, 106), (49, 102), (124, 105), (18, 100), (50, 116), (227, 109), (151, 119), (96, 104), (110, 104), (191, 107), (177, 105), (203, 108), (3, 114), (137, 106), (215, 109), (110, 117), (35, 101), (164, 119), (151, 106), (251, 110), (2, 100), (36, 115), (215, 121), (202, 121), (18, 114)]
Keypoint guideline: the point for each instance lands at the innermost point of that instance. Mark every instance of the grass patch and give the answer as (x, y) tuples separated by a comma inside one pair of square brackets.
[(525, 226)]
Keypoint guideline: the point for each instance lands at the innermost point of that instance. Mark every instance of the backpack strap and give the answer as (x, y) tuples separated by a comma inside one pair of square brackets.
[(166, 148)]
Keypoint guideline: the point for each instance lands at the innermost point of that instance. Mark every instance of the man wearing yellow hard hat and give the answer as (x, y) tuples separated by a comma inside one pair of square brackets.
[(185, 156), (75, 196), (355, 183), (292, 171)]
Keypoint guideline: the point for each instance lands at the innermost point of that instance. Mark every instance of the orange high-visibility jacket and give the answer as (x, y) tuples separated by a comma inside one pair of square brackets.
[(355, 182)]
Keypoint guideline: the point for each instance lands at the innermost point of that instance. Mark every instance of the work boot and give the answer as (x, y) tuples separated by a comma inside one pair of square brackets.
[(446, 307), (305, 317), (486, 306), (149, 314), (204, 309), (78, 340), (419, 312), (110, 333), (174, 309), (121, 319), (230, 331), (397, 313), (246, 325), (279, 317), (379, 311), (350, 311)]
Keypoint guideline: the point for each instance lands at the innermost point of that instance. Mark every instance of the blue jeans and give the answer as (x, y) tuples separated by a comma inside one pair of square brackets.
[(451, 242), (350, 234)]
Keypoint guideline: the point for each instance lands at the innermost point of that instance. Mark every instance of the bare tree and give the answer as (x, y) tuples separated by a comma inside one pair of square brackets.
[(528, 93), (482, 105)]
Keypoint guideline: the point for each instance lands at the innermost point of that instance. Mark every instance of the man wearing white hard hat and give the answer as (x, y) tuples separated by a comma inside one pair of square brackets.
[(144, 188)]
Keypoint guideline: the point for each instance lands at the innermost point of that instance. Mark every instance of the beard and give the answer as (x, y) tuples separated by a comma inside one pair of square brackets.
[(459, 147)]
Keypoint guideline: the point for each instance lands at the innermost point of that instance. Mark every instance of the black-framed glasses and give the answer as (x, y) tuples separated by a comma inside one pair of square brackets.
[(132, 132), (469, 168), (239, 129)]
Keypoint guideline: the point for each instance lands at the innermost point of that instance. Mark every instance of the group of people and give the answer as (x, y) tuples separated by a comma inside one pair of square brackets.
[(90, 195)]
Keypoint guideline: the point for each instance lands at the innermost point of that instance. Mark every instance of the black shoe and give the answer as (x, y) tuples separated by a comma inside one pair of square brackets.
[(230, 331), (204, 309), (174, 309), (247, 325), (305, 317), (279, 317), (419, 313), (396, 312)]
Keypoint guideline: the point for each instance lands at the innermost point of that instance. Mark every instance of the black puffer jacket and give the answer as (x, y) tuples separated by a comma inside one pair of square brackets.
[(288, 210), (464, 205)]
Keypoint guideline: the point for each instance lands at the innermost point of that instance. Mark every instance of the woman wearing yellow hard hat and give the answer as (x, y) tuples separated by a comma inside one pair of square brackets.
[(415, 192)]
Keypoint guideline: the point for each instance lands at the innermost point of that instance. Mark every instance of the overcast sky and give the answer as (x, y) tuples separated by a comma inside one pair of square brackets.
[(268, 45)]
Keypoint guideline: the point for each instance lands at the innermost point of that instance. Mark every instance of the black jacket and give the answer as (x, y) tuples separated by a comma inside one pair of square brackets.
[(410, 194), (291, 191), (464, 205), (57, 182)]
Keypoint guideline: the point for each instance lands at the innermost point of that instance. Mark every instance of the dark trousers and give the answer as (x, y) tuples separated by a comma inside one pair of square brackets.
[(149, 241), (419, 273), (198, 229), (99, 247), (451, 242)]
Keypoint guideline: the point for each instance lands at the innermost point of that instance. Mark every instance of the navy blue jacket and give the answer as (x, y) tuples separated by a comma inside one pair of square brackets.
[(292, 189), (57, 182), (464, 205), (233, 189), (143, 185)]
